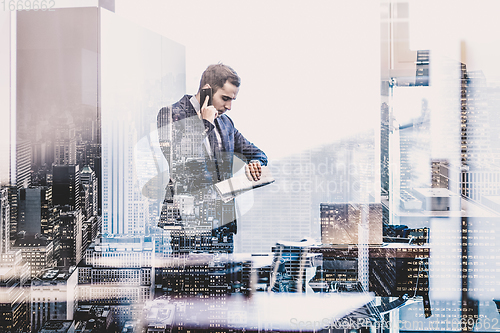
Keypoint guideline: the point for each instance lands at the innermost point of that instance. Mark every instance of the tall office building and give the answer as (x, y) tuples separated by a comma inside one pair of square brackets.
[(68, 238), (123, 202), (23, 163), (66, 186), (29, 217), (33, 209), (125, 209), (53, 296), (65, 142), (89, 183)]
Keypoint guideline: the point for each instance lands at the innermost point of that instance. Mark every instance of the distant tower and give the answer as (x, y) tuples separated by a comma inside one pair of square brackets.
[(124, 208), (65, 144)]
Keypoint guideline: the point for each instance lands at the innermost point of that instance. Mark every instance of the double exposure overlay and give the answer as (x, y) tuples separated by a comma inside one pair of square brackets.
[(125, 207)]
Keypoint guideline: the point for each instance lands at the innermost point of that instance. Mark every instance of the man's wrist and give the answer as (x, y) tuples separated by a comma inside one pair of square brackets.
[(208, 126)]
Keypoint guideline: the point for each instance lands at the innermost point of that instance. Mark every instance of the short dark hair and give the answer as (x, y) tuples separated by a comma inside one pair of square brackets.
[(216, 75)]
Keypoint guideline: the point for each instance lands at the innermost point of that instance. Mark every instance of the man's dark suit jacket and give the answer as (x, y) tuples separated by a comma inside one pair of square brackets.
[(194, 162)]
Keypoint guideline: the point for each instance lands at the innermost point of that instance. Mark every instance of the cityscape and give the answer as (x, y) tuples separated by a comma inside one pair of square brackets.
[(108, 225)]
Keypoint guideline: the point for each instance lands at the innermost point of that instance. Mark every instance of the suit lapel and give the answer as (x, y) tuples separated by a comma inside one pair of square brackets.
[(224, 134)]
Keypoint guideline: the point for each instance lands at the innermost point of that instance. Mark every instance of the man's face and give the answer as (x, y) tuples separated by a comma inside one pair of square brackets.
[(223, 98)]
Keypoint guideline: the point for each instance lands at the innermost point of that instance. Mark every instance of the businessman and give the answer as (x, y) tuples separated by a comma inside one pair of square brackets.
[(200, 142)]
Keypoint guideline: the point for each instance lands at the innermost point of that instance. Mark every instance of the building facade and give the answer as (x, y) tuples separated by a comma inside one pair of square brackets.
[(53, 296)]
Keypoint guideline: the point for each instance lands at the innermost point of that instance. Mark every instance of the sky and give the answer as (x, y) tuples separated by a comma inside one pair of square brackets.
[(310, 70)]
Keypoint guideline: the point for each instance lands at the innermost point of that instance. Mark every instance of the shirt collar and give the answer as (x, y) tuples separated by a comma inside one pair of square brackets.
[(195, 103)]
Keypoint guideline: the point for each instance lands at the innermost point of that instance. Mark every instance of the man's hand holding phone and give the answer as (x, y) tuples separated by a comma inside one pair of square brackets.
[(207, 110)]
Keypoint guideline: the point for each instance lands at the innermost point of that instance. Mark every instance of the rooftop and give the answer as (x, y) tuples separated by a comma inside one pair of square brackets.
[(55, 274), (31, 241)]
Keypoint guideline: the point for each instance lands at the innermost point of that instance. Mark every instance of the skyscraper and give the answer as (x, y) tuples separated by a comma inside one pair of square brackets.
[(33, 209), (68, 239), (66, 186), (89, 184), (65, 142), (129, 109), (23, 164)]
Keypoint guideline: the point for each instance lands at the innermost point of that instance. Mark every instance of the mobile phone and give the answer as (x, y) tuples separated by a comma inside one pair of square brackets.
[(203, 95)]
